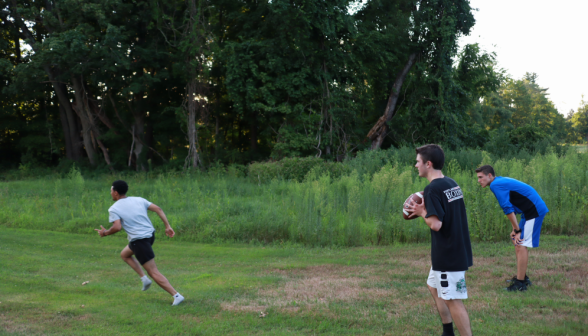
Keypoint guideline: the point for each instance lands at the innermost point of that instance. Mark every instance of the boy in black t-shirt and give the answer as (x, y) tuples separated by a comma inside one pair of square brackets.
[(443, 210)]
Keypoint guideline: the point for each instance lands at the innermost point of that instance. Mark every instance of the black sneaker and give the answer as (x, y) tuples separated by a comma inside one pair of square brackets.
[(527, 281), (517, 286)]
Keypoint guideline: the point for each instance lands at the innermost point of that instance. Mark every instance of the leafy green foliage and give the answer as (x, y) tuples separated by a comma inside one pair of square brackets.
[(579, 122), (276, 79), (295, 169)]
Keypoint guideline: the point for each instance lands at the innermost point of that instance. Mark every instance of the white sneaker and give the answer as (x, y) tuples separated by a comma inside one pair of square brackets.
[(178, 298), (146, 284)]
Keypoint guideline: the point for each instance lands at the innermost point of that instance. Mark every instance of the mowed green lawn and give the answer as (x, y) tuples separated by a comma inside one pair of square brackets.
[(304, 291)]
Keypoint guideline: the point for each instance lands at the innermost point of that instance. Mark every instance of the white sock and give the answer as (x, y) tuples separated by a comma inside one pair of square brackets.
[(146, 282), (178, 298)]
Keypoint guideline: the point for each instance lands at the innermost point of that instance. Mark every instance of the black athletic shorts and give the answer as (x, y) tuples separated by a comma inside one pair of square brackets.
[(142, 249)]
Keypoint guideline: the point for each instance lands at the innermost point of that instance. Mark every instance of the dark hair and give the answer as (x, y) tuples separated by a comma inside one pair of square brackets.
[(433, 153), (486, 169), (120, 186)]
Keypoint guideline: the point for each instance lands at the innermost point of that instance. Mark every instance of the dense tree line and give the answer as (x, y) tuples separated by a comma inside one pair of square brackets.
[(118, 83)]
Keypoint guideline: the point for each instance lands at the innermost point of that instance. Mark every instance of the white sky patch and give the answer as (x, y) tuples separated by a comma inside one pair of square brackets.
[(545, 37), (356, 6)]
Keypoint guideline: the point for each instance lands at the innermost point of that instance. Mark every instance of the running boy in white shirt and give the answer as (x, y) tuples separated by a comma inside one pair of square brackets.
[(130, 213)]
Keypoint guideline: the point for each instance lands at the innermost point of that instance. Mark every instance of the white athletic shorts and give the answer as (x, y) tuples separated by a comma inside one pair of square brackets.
[(531, 231), (450, 285)]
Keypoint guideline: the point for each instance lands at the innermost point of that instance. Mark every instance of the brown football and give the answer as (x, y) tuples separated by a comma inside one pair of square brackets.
[(417, 197)]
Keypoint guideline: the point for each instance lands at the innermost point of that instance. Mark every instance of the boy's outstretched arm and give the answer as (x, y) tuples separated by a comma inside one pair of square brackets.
[(116, 226), (168, 229)]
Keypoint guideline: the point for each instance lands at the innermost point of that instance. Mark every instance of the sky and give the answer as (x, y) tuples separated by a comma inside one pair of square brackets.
[(549, 38)]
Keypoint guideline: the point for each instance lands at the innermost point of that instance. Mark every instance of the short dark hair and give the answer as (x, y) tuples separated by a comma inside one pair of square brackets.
[(433, 153), (120, 186), (486, 169)]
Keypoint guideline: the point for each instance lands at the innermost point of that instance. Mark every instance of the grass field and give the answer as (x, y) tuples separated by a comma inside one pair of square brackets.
[(304, 291)]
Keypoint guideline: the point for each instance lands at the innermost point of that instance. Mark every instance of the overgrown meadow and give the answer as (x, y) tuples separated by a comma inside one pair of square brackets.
[(344, 204)]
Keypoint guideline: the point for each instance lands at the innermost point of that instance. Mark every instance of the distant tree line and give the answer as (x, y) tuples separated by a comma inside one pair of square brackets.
[(118, 84)]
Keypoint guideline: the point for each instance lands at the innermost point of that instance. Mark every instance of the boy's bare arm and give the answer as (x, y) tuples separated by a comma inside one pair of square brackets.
[(419, 210), (516, 237), (116, 226), (513, 221), (168, 229)]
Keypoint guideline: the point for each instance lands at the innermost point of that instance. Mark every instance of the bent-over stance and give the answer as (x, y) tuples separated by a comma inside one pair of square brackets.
[(443, 210), (130, 213), (516, 197)]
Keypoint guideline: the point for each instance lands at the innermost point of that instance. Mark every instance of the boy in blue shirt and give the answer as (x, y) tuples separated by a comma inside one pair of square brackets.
[(516, 197)]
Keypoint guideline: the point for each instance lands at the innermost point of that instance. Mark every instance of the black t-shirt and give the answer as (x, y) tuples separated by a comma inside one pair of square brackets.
[(451, 250)]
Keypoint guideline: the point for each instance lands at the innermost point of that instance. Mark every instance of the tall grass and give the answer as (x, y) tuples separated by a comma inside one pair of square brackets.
[(362, 207)]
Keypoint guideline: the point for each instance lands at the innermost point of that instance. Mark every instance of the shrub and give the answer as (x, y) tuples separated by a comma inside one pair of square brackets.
[(293, 169)]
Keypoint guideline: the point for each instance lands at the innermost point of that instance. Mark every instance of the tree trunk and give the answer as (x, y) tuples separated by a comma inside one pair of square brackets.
[(90, 131), (66, 137), (377, 142), (192, 158), (149, 139), (216, 139), (378, 133), (71, 130), (132, 133), (253, 131), (17, 47), (196, 37), (82, 112), (140, 155)]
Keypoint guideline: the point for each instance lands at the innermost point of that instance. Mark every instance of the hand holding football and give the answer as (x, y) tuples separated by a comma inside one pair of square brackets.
[(417, 197)]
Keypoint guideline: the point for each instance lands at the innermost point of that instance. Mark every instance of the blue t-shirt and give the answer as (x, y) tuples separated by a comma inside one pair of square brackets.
[(518, 197), (132, 212)]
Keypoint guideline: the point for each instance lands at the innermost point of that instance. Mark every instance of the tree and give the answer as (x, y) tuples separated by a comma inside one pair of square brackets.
[(135, 84), (298, 84), (436, 26), (579, 121)]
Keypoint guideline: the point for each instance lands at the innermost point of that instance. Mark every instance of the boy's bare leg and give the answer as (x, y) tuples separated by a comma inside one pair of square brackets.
[(460, 316), (127, 255), (452, 311), (522, 261), (159, 278), (441, 306)]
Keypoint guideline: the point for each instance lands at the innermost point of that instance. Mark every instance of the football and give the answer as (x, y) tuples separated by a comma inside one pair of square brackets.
[(417, 197)]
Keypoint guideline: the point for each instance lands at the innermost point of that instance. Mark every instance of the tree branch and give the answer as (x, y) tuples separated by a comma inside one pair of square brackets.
[(133, 133)]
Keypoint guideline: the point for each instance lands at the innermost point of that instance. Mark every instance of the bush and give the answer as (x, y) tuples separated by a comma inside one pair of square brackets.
[(523, 143), (293, 169)]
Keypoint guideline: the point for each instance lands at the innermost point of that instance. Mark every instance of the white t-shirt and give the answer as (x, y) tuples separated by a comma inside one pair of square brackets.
[(132, 212)]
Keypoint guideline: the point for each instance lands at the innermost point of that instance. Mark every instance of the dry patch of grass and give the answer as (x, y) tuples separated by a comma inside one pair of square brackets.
[(314, 286), (326, 283), (318, 286), (11, 327), (38, 318), (401, 284), (565, 271)]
